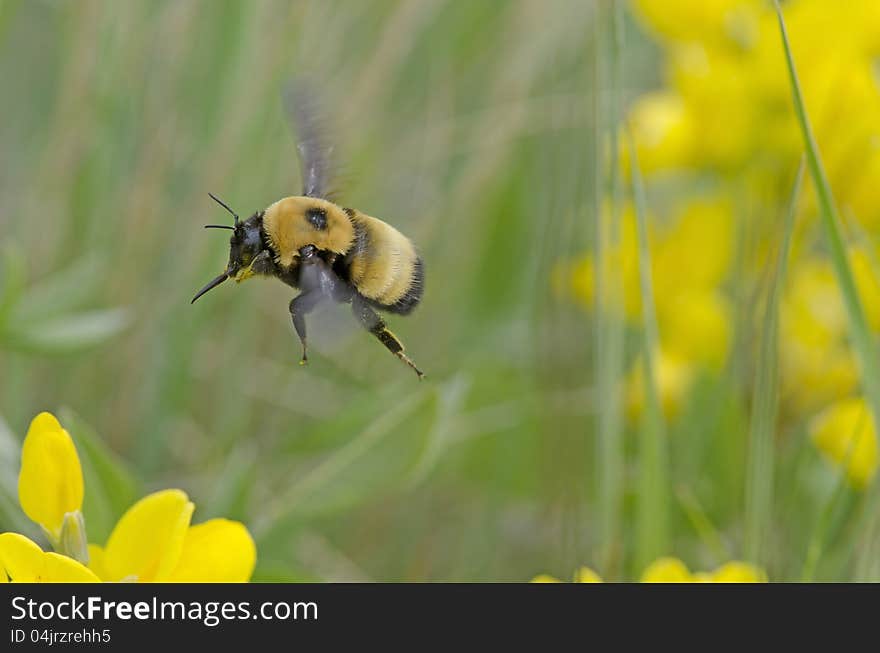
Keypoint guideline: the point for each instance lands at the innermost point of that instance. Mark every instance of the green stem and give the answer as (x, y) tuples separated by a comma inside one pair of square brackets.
[(609, 322), (860, 333), (652, 525), (765, 403)]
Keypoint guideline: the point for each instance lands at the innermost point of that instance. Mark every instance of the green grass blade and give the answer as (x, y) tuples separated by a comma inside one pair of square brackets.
[(765, 403), (821, 530), (860, 333), (708, 533), (609, 327), (652, 517)]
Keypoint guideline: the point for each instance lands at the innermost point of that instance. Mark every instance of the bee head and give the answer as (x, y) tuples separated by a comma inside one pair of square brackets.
[(244, 246)]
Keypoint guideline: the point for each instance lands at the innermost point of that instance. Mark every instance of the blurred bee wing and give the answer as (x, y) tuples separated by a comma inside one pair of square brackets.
[(317, 168)]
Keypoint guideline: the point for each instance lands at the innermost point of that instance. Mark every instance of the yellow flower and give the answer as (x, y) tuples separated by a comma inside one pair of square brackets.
[(725, 22), (663, 130), (586, 575), (696, 250), (622, 258), (817, 364), (690, 260), (867, 278), (695, 326), (707, 79), (667, 570), (844, 433), (674, 377), (50, 485), (154, 542), (22, 561), (812, 310), (673, 570), (692, 253), (582, 575), (734, 572), (812, 377), (545, 578), (726, 107)]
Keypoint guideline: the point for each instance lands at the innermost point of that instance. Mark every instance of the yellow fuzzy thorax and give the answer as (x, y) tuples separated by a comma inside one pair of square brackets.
[(288, 229)]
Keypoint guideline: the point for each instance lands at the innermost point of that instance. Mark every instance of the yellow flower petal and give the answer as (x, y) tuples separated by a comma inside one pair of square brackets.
[(703, 236), (24, 562), (844, 432), (695, 327), (217, 551), (50, 483), (96, 561), (545, 578), (868, 282), (20, 558), (674, 377), (738, 572), (146, 543), (721, 23), (667, 570), (663, 131), (61, 569), (587, 575)]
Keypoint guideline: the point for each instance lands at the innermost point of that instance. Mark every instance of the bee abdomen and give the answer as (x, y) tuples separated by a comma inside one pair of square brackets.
[(384, 266), (413, 295)]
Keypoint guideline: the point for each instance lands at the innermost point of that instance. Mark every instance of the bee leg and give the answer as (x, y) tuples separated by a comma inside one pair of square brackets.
[(263, 263), (301, 306), (371, 321)]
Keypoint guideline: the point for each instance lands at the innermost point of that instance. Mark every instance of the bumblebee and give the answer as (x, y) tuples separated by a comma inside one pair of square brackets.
[(328, 252)]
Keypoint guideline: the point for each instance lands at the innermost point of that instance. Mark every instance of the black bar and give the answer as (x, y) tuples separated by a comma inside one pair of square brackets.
[(543, 616)]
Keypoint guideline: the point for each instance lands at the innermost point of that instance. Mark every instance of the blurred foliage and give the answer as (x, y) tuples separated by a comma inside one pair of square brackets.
[(460, 123), (42, 318), (474, 127)]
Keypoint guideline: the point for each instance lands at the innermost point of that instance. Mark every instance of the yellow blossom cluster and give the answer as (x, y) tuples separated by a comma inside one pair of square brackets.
[(153, 541), (673, 570), (693, 312), (726, 107), (723, 120)]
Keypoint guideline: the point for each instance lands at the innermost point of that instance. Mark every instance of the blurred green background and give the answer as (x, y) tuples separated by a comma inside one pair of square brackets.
[(467, 125), (472, 127)]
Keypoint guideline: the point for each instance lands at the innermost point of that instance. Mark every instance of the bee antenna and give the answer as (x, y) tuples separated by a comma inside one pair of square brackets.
[(219, 226), (225, 206)]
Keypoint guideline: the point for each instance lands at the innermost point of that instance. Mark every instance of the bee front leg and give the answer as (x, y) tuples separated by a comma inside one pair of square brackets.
[(318, 282), (301, 306), (371, 321), (263, 264)]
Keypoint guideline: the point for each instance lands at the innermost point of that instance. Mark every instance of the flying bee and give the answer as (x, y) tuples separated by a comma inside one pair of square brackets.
[(328, 252)]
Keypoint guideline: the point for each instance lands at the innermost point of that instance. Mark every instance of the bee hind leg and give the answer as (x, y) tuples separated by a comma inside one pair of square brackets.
[(301, 306), (371, 321)]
